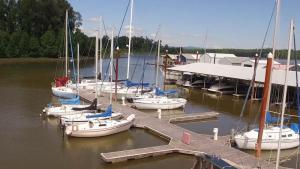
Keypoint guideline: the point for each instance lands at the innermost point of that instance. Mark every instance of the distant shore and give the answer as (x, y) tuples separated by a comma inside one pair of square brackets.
[(27, 60)]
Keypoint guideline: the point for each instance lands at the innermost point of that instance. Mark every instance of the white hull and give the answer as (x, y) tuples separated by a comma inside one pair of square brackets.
[(64, 92), (65, 110), (97, 129), (270, 139), (222, 89), (81, 118), (159, 103)]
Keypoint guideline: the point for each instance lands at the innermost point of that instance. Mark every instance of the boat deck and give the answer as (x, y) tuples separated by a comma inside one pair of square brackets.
[(198, 144)]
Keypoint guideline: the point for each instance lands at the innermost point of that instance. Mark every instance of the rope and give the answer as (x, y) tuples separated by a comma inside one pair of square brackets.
[(297, 88), (254, 74)]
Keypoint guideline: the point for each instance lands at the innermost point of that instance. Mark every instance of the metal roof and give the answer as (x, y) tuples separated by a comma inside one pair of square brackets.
[(237, 72), (220, 55)]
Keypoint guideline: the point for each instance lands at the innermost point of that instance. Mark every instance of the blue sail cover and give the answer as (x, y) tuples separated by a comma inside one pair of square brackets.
[(131, 84), (159, 92), (273, 119), (107, 113), (75, 100)]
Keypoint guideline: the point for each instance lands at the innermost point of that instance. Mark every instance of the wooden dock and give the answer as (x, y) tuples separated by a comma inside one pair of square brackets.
[(199, 143)]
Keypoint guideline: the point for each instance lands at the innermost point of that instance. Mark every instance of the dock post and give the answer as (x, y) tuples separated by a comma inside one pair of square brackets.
[(123, 101), (215, 131), (159, 113)]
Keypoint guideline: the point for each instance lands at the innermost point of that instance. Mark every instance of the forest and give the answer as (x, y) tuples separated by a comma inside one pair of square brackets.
[(36, 28)]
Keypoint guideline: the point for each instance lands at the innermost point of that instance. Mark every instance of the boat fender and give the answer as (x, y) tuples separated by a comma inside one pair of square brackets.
[(74, 128)]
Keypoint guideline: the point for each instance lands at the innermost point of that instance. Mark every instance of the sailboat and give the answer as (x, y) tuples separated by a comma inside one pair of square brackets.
[(70, 109), (60, 88), (87, 117), (159, 100), (97, 128), (129, 89), (273, 137)]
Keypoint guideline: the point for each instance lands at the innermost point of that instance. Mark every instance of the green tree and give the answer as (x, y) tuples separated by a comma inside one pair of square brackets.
[(12, 49), (23, 45), (49, 48), (4, 39), (34, 47)]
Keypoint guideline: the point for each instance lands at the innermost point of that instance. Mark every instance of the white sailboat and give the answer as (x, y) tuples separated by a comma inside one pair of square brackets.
[(60, 88), (97, 128), (130, 89), (159, 100), (87, 117), (273, 137)]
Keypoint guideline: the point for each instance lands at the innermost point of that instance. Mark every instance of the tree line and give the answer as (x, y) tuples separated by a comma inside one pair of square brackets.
[(36, 28)]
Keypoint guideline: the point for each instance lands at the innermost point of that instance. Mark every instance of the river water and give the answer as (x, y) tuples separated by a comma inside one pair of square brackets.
[(29, 140)]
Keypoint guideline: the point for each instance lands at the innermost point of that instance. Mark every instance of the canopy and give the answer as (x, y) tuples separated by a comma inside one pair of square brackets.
[(131, 84), (159, 92)]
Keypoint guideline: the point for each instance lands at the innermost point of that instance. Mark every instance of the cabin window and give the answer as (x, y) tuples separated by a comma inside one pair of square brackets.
[(270, 136), (283, 135), (290, 135), (247, 65)]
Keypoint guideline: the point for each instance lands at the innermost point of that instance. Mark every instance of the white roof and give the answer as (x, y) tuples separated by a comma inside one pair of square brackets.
[(190, 56), (236, 72), (264, 62), (172, 56), (220, 55)]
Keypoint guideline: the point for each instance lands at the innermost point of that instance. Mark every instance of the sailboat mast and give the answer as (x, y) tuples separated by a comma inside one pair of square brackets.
[(66, 50), (129, 44), (157, 63), (111, 64), (77, 67), (96, 66), (264, 105), (274, 46), (284, 92), (100, 38)]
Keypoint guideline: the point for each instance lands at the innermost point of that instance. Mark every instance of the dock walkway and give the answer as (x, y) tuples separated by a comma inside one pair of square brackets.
[(199, 144)]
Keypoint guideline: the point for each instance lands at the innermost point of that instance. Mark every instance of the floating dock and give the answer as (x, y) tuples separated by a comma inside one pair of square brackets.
[(180, 140)]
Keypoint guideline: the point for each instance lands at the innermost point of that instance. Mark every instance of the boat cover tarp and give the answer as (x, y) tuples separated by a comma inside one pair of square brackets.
[(75, 100), (61, 81), (159, 92), (131, 84), (93, 106), (273, 119), (107, 113)]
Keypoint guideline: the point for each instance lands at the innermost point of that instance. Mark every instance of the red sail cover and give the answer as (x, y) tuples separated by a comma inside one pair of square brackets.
[(61, 81)]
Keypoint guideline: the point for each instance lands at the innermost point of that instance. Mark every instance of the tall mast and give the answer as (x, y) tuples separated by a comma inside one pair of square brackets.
[(77, 67), (66, 56), (96, 66), (100, 38), (274, 47), (284, 92), (129, 45), (157, 63), (111, 64), (264, 104)]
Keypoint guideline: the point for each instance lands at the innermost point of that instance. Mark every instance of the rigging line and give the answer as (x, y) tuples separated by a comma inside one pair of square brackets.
[(70, 39), (122, 23), (297, 87), (151, 49), (254, 73)]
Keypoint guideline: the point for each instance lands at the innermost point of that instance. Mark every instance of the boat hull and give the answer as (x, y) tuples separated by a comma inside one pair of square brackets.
[(77, 131), (64, 92)]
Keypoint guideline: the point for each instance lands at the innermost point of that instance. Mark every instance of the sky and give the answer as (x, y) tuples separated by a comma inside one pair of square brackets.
[(194, 23)]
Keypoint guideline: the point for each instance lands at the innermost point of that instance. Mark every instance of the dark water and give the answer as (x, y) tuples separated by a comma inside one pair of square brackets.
[(28, 140)]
